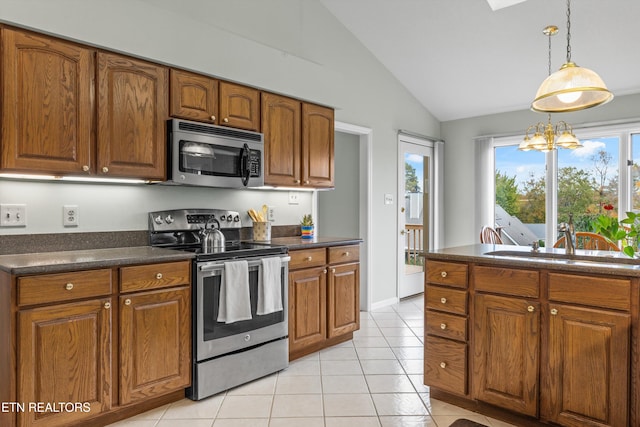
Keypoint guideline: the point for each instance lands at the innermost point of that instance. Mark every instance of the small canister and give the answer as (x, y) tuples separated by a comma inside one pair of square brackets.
[(262, 231)]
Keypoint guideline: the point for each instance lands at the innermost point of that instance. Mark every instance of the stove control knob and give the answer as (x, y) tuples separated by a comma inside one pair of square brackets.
[(169, 219), (158, 219), (247, 338), (236, 218), (230, 217)]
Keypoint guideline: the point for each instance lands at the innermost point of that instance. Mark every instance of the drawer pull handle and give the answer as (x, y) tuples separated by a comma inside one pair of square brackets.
[(213, 118), (107, 305), (531, 309), (105, 169), (443, 365), (443, 274), (127, 302), (347, 253), (308, 258), (443, 300), (443, 326), (68, 286), (85, 168), (226, 120), (325, 271), (159, 276), (554, 311)]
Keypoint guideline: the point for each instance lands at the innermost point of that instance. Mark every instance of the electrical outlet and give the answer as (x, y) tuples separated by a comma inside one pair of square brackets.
[(271, 215), (294, 198), (13, 215), (70, 216)]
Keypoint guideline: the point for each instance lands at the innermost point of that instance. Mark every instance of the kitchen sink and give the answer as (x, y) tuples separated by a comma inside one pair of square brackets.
[(580, 255)]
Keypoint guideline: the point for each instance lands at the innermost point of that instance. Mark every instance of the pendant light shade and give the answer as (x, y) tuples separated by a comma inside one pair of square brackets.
[(571, 88)]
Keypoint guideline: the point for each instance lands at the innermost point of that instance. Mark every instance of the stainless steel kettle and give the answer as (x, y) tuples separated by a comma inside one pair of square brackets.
[(212, 239)]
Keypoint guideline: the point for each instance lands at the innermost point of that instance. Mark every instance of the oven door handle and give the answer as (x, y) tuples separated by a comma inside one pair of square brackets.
[(253, 263)]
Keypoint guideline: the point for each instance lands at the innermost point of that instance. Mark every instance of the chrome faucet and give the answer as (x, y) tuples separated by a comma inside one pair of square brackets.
[(570, 235)]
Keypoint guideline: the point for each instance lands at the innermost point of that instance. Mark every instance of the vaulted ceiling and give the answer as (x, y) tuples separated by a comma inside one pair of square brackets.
[(462, 59)]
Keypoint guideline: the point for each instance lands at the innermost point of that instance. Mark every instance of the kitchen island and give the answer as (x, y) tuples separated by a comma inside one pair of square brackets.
[(534, 337)]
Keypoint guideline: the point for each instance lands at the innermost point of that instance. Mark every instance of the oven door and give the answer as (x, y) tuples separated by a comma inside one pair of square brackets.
[(215, 338)]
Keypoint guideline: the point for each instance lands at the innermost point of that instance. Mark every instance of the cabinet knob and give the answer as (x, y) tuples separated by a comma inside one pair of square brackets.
[(226, 120), (213, 118), (531, 309), (443, 300), (105, 169), (297, 181), (554, 311), (107, 305), (346, 253), (333, 270), (159, 276), (443, 326), (85, 168), (308, 258), (325, 271), (443, 274), (443, 365), (306, 181), (127, 302), (68, 286)]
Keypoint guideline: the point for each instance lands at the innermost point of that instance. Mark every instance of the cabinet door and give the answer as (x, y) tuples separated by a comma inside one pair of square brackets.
[(155, 343), (193, 97), (343, 299), (65, 356), (47, 98), (307, 308), (588, 370), (132, 114), (317, 146), (239, 106), (281, 128), (506, 352)]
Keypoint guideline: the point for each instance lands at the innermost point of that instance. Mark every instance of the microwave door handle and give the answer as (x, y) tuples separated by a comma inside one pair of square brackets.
[(244, 165)]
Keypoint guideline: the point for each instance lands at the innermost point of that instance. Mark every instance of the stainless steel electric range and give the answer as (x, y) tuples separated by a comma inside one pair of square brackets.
[(226, 355)]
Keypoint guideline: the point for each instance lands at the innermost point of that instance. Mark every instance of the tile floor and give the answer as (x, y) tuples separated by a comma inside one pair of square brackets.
[(373, 381)]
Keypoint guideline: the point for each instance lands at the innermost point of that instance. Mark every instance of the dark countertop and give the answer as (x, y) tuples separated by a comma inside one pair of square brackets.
[(296, 242), (53, 262), (584, 261)]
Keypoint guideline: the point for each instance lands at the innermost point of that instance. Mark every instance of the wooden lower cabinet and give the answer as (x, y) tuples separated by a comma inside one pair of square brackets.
[(64, 354), (324, 298)]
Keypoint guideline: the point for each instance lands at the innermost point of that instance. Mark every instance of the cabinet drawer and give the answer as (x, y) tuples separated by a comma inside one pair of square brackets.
[(445, 299), (445, 365), (48, 288), (340, 254), (153, 276), (308, 258), (446, 325), (509, 281), (594, 291), (447, 273)]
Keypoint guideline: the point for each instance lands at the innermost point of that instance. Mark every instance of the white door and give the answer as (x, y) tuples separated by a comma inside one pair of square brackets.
[(415, 216)]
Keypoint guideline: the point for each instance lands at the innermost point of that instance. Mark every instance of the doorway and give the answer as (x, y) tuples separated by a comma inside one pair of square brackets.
[(416, 211)]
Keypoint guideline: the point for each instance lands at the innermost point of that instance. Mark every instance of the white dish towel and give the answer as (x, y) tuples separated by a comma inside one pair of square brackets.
[(235, 300), (270, 286)]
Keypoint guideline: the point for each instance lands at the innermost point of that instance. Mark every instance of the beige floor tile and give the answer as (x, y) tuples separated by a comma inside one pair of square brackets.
[(246, 407), (368, 332), (389, 384), (416, 353), (399, 404), (304, 405), (414, 323), (370, 342), (348, 405), (380, 315), (297, 422), (418, 383), (302, 367), (391, 323), (299, 384), (187, 409), (352, 422), (409, 421), (381, 367), (439, 408), (341, 384), (186, 422), (367, 353), (403, 341), (134, 423), (397, 332), (339, 353), (340, 367), (412, 366), (239, 422), (264, 385)]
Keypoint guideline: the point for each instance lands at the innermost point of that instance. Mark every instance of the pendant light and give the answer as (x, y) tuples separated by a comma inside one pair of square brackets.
[(547, 137), (571, 88)]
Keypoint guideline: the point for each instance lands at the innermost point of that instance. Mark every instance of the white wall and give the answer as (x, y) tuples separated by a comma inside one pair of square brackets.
[(460, 155), (288, 46)]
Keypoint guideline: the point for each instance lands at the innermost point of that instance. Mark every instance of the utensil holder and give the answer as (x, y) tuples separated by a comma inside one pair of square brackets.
[(262, 231), (306, 231)]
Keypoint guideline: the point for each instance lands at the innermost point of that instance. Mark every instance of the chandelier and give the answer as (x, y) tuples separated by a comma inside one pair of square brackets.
[(547, 137), (571, 88)]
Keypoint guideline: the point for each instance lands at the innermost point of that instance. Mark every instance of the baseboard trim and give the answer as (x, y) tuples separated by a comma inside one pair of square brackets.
[(384, 303)]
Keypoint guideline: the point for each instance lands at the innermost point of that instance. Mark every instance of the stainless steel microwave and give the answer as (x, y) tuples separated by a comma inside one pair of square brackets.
[(213, 156)]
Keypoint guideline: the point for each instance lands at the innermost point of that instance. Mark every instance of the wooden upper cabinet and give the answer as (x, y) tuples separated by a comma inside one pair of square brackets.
[(281, 129), (47, 104), (317, 146), (193, 97), (132, 110), (239, 106)]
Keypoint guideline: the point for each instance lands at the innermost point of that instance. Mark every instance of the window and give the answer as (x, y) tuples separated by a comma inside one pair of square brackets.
[(533, 191)]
